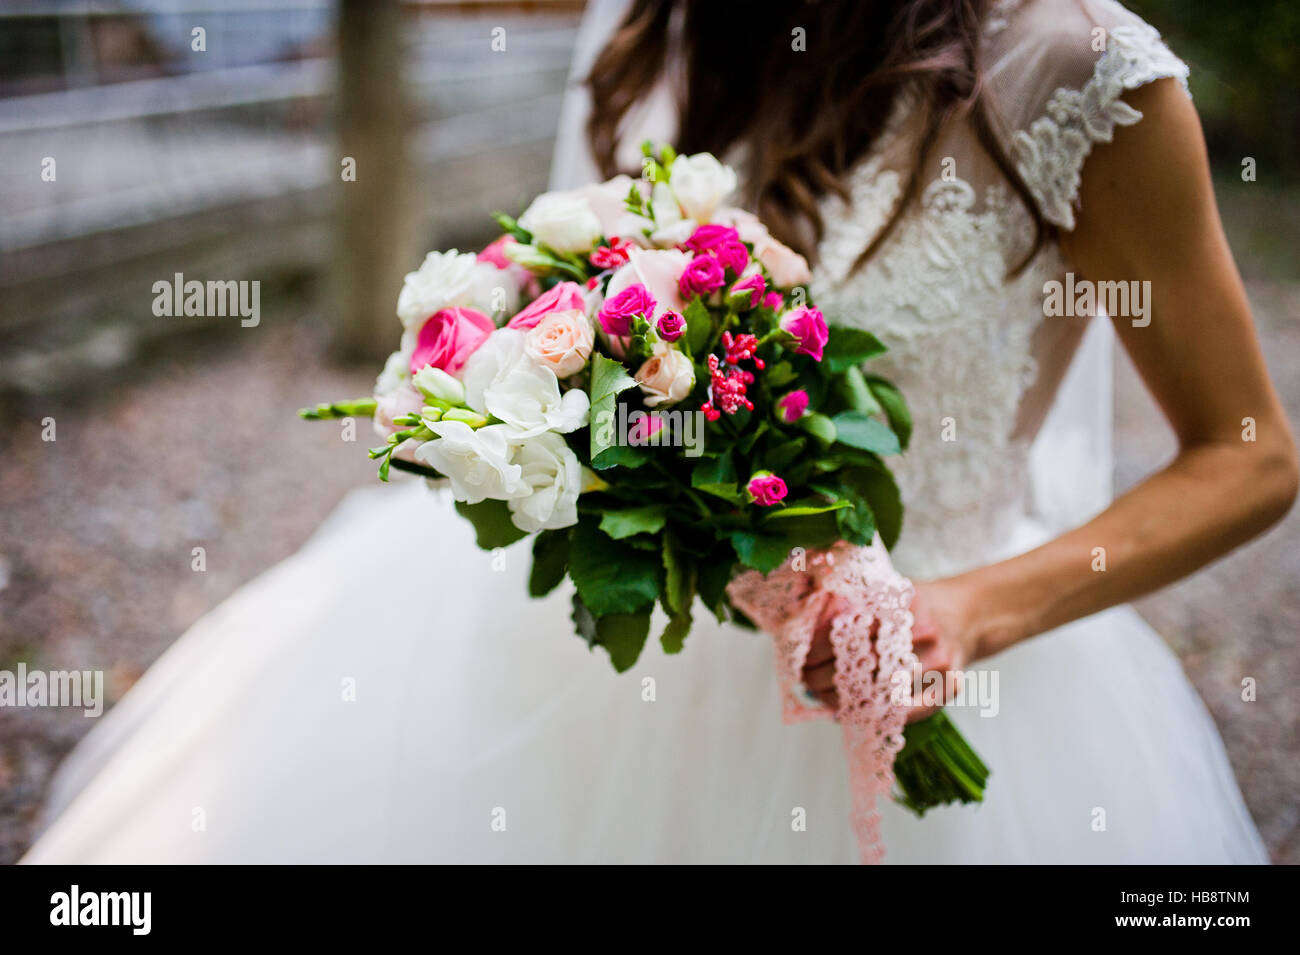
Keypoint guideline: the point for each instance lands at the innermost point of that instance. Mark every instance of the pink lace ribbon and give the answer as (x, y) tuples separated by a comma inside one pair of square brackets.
[(866, 602)]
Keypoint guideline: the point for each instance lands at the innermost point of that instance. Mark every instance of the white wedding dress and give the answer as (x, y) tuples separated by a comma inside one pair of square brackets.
[(391, 694)]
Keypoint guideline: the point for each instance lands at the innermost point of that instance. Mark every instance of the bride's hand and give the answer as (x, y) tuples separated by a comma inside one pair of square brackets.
[(942, 639)]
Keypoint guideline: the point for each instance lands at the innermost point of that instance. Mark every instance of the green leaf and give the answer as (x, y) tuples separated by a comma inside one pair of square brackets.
[(867, 434), (512, 227), (674, 636), (783, 455), (856, 525), (492, 525), (611, 577), (876, 486), (634, 520), (679, 578), (762, 552), (804, 510), (782, 373), (895, 405), (699, 325), (621, 456), (608, 380), (623, 635), (857, 395), (716, 476), (550, 562), (583, 622), (713, 575), (847, 347), (820, 427)]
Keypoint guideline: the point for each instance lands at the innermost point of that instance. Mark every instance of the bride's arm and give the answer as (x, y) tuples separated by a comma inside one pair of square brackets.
[(1147, 212)]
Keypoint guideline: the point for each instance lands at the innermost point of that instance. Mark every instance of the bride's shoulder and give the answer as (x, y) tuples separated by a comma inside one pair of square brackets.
[(1057, 72)]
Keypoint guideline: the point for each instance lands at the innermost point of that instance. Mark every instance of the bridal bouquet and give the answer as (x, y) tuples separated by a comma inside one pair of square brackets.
[(635, 374)]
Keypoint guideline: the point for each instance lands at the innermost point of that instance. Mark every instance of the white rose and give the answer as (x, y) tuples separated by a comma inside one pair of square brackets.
[(561, 341), (552, 472), (476, 462), (700, 184), (501, 380), (454, 279), (397, 371), (563, 220), (667, 377)]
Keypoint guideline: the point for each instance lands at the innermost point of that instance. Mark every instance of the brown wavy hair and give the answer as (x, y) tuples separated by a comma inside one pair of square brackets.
[(804, 119)]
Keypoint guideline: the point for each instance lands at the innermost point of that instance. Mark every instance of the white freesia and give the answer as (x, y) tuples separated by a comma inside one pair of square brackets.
[(667, 377), (563, 220), (436, 383), (475, 461), (552, 471), (454, 279), (501, 380), (700, 183)]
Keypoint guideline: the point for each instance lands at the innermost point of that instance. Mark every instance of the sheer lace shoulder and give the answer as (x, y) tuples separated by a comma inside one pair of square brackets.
[(1059, 70)]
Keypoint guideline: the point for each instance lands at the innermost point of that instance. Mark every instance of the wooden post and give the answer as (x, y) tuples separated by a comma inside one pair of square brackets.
[(376, 227)]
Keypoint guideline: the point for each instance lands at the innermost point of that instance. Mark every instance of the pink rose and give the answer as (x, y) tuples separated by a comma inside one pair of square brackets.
[(658, 270), (607, 202), (671, 325), (644, 428), (766, 489), (709, 237), (809, 327), (449, 337), (496, 252), (703, 276), (525, 282), (561, 341), (562, 298), (617, 313), (786, 267), (723, 242), (755, 285), (793, 406), (774, 301)]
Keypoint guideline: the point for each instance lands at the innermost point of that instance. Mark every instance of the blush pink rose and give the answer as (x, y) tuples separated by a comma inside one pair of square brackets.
[(607, 202), (562, 298), (561, 341), (786, 267), (449, 337), (807, 325)]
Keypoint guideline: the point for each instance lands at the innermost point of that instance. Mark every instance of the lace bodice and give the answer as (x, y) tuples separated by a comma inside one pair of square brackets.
[(969, 345)]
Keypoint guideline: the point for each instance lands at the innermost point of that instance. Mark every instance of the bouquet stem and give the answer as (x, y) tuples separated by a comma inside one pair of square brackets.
[(937, 766)]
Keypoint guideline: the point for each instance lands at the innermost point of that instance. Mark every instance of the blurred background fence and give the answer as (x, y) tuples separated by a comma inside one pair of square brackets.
[(211, 138), (222, 152)]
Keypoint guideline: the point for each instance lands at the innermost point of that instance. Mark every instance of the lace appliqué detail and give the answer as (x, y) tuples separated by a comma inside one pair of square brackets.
[(959, 338), (866, 603), (1050, 154)]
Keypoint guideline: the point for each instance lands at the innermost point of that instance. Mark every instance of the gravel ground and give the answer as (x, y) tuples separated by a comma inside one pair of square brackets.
[(98, 529)]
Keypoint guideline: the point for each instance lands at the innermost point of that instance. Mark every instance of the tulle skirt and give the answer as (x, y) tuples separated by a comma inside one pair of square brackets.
[(391, 694)]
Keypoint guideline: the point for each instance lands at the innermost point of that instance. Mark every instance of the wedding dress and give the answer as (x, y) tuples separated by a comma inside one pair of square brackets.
[(391, 694)]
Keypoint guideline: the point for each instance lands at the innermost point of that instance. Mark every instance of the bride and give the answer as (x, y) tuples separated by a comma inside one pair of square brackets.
[(391, 694)]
